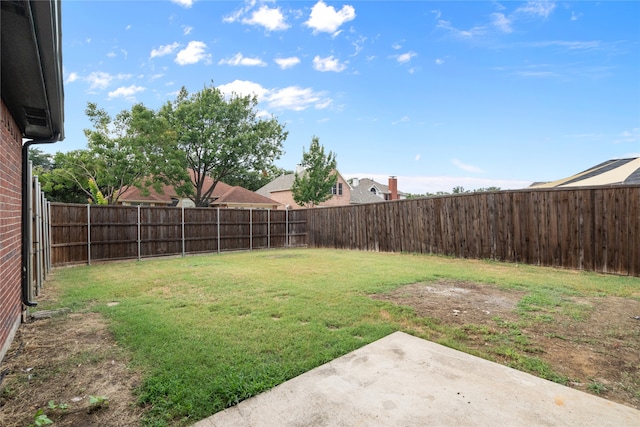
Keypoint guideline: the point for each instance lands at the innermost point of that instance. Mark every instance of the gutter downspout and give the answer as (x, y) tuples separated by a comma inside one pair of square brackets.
[(26, 220)]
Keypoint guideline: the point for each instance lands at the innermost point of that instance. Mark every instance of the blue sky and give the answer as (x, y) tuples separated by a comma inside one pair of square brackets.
[(439, 94)]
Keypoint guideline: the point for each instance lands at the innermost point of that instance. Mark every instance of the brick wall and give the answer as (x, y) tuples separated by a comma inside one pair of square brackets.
[(10, 232)]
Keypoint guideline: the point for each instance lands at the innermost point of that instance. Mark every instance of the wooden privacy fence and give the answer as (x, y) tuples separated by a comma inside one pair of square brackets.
[(596, 229), (37, 235), (85, 233)]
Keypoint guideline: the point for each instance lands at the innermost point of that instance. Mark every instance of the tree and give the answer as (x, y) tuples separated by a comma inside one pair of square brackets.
[(254, 180), (57, 184), (219, 137), (313, 186), (40, 160), (123, 151), (459, 190)]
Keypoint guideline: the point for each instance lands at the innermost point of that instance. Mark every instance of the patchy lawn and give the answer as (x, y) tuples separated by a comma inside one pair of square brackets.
[(170, 341)]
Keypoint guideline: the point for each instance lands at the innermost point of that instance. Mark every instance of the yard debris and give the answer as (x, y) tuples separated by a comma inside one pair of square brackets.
[(635, 317)]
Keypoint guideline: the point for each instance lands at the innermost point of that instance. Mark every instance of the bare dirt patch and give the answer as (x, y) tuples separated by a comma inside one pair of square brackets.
[(593, 342), (67, 360)]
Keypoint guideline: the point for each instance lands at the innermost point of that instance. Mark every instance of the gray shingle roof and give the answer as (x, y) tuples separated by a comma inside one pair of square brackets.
[(361, 194), (281, 183)]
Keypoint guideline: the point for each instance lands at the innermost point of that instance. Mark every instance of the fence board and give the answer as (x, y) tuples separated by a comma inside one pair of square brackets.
[(594, 228), (115, 233)]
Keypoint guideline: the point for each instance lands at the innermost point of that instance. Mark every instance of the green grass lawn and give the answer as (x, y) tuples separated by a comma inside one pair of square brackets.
[(209, 331)]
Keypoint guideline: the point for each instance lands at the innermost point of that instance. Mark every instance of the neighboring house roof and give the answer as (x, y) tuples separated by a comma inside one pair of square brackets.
[(223, 194), (281, 183), (361, 194), (241, 196), (31, 48), (611, 172), (381, 188)]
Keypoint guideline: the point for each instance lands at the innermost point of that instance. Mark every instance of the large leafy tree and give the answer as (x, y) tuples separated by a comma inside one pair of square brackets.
[(123, 151), (313, 186), (57, 186), (254, 180), (219, 137)]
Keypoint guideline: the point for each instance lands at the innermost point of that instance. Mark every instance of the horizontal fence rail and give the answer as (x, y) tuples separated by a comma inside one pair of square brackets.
[(86, 233), (595, 229)]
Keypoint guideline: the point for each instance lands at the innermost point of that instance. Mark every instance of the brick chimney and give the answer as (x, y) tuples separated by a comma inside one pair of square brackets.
[(393, 187)]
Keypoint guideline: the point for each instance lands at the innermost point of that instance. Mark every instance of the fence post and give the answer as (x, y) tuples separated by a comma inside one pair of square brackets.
[(47, 231), (218, 225), (35, 200), (182, 230), (88, 234), (268, 228), (250, 229), (286, 232), (139, 252)]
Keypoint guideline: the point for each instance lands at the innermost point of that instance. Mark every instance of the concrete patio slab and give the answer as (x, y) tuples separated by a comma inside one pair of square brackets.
[(401, 380)]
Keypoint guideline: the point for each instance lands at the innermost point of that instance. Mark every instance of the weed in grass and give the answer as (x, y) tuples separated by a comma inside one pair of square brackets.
[(532, 365), (7, 392), (555, 335), (53, 405), (596, 387), (578, 312), (539, 301), (40, 419)]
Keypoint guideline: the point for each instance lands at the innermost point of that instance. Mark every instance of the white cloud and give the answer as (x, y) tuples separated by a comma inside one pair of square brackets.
[(501, 22), (326, 19), (239, 59), (571, 45), (417, 157), (297, 99), (405, 57), (243, 88), (396, 46), (128, 27), (575, 16), (466, 167), (99, 80), (193, 53), (328, 64), (403, 119), (186, 29), (183, 3), (164, 50), (465, 34), (271, 19), (126, 92), (72, 77), (628, 136), (439, 61), (358, 45), (289, 98), (285, 63), (538, 8), (322, 104), (111, 54), (229, 19)]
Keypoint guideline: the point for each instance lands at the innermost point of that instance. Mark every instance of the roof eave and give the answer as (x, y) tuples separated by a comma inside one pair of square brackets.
[(32, 81)]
